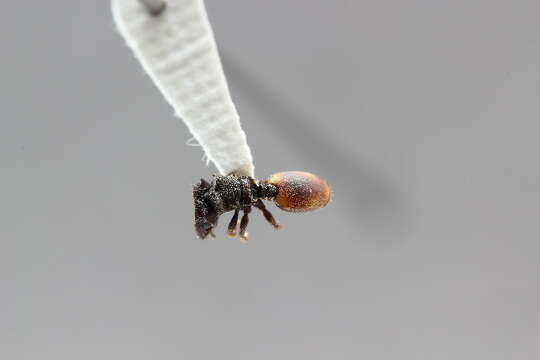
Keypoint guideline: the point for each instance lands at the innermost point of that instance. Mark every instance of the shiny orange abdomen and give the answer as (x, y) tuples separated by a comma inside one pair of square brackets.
[(299, 191)]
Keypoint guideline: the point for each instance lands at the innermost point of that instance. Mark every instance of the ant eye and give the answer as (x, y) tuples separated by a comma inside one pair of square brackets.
[(299, 191)]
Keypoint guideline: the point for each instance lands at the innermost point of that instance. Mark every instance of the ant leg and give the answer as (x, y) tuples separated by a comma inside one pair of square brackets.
[(233, 224), (267, 214), (244, 223)]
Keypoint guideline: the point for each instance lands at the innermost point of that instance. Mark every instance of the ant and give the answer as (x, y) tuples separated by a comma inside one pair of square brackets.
[(293, 191)]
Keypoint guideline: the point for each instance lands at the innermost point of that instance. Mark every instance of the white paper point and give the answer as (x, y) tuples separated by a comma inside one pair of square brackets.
[(178, 51)]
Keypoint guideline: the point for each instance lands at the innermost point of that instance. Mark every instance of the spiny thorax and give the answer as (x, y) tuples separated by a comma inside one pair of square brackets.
[(227, 193), (236, 192)]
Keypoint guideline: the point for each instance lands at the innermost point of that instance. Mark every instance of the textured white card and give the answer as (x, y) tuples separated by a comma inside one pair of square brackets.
[(178, 51)]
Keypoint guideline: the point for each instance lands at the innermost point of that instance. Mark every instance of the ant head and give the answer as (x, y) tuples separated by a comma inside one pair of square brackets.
[(299, 191), (206, 216)]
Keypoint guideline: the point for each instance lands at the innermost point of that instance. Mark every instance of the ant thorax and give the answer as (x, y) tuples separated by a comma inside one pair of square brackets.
[(228, 193)]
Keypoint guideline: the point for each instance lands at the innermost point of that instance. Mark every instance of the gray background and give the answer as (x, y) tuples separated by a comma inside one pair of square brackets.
[(424, 115)]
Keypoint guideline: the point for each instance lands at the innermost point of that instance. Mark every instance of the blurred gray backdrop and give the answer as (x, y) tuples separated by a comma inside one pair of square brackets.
[(423, 115)]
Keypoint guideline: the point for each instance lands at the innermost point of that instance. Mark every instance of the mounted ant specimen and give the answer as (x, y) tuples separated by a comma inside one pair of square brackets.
[(293, 191)]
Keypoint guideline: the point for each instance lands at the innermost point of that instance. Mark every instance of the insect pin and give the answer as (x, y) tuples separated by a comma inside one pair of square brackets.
[(293, 191)]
